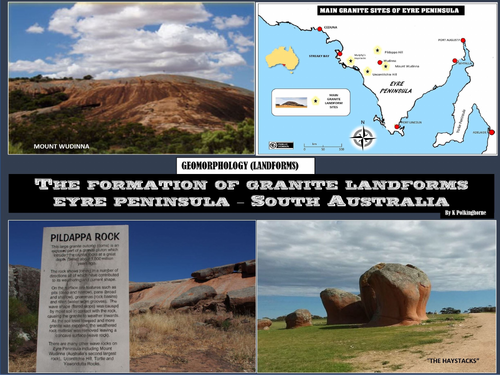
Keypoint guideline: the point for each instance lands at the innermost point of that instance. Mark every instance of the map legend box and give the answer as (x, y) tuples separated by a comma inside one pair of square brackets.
[(311, 102)]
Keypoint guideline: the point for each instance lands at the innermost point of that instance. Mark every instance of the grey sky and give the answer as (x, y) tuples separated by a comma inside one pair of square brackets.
[(301, 258)]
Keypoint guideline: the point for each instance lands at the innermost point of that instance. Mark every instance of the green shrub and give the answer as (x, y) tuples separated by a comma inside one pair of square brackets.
[(21, 320), (69, 126), (21, 101), (29, 325)]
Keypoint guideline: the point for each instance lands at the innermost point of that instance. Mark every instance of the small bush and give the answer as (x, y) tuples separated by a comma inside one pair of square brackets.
[(21, 320), (29, 325)]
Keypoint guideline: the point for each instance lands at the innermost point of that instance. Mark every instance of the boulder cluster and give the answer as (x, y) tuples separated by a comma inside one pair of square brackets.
[(390, 294), (222, 289)]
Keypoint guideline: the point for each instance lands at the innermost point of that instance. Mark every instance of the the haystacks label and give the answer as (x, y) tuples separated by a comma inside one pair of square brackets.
[(83, 318)]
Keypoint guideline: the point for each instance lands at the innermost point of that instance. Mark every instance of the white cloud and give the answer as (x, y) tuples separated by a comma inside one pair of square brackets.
[(232, 22), (301, 258), (127, 39), (38, 66), (35, 29), (241, 42), (110, 20)]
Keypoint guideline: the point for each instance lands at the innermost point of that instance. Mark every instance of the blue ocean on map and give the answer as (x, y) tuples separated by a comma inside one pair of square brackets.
[(431, 114)]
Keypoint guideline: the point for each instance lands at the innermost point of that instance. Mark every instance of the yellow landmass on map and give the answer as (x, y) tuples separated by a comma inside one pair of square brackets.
[(283, 57)]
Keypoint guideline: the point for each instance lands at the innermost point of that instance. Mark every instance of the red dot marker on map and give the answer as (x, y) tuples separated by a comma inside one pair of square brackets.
[(491, 132), (455, 61), (379, 62), (339, 53), (462, 40), (284, 64), (320, 28), (396, 126)]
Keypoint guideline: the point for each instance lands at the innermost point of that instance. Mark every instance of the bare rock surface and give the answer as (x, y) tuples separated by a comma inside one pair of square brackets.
[(299, 318), (161, 101), (394, 294), (262, 324), (249, 267), (136, 287), (213, 272), (343, 307), (161, 295), (24, 283), (193, 296), (241, 300)]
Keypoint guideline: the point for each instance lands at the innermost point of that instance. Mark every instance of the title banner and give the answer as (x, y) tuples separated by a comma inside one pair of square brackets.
[(451, 196), (390, 10)]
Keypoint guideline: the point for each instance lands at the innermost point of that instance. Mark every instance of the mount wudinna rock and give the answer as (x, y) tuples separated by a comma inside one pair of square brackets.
[(161, 101)]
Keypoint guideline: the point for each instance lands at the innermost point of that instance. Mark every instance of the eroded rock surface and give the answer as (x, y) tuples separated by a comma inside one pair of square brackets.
[(343, 307), (193, 296), (241, 300), (24, 284), (213, 272), (234, 291), (160, 101), (136, 287), (299, 318), (394, 294), (264, 324)]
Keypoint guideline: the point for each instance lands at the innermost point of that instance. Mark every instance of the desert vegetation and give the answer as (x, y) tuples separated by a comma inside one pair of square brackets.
[(69, 126), (159, 114), (23, 329), (181, 340), (334, 348), (175, 336), (20, 101)]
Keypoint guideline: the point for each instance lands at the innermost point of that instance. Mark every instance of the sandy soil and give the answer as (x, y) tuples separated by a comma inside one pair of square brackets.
[(194, 361), (472, 339)]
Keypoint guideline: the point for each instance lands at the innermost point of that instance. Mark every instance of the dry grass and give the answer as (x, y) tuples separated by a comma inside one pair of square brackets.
[(176, 334), (23, 363)]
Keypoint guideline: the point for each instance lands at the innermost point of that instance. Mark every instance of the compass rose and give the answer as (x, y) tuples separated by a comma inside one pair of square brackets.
[(363, 138)]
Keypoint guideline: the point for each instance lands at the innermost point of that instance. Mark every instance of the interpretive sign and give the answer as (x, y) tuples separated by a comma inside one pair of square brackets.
[(83, 321)]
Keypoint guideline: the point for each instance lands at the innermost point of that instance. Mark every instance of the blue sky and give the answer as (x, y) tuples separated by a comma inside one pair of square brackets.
[(213, 41), (299, 259), (158, 250)]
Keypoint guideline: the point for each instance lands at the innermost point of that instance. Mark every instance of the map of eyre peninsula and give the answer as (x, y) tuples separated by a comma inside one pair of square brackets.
[(447, 62)]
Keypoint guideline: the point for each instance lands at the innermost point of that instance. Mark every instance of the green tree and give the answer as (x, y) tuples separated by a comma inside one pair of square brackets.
[(449, 310), (232, 140)]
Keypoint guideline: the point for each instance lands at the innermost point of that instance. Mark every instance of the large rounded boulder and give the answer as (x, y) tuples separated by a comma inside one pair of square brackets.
[(343, 307), (299, 318), (242, 300), (264, 324), (394, 294)]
